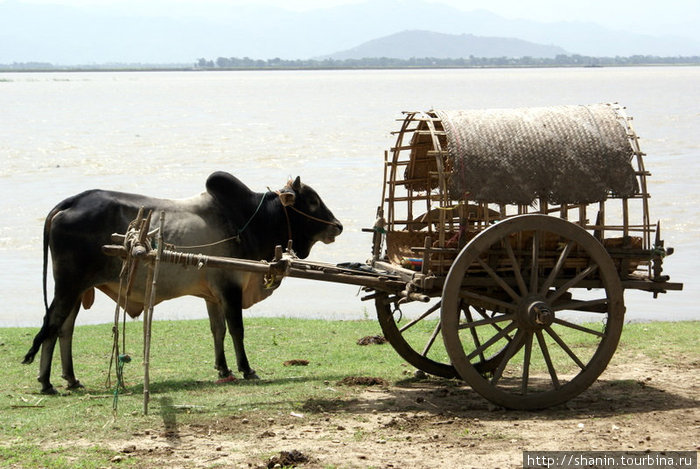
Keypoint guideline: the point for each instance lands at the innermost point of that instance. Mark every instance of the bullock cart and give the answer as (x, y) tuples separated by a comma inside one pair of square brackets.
[(510, 234)]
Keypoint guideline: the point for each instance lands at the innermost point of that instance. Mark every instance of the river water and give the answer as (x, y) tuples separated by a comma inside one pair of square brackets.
[(162, 133)]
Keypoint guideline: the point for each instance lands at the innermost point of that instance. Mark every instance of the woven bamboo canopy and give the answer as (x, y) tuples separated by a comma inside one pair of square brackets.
[(563, 154)]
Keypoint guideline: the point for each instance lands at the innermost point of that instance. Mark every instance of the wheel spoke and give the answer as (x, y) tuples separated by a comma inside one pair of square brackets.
[(430, 311), (511, 350), (494, 325), (483, 322), (578, 327), (475, 336), (564, 288), (491, 341), (534, 267), (436, 331), (526, 362), (502, 283), (578, 305), (565, 347), (547, 359), (557, 268), (487, 299), (516, 268)]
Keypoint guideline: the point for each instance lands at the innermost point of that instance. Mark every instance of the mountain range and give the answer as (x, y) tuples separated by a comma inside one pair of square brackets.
[(408, 44), (180, 32)]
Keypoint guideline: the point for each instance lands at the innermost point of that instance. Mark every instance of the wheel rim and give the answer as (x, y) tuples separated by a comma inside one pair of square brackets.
[(415, 337), (517, 298)]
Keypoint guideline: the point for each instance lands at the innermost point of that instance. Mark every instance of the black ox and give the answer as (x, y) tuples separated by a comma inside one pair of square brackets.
[(253, 223)]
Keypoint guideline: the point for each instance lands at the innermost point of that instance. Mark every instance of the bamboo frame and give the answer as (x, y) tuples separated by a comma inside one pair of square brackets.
[(402, 194)]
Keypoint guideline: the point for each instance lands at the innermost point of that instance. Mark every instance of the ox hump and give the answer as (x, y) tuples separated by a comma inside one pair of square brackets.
[(226, 188)]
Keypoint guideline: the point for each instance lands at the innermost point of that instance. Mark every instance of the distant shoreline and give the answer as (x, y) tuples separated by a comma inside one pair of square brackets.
[(370, 63), (278, 69)]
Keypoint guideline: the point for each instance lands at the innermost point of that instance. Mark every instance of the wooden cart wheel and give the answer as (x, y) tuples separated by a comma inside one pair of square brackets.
[(414, 335), (413, 331), (542, 297)]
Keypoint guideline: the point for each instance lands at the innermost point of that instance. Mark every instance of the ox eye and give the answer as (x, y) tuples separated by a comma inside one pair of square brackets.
[(314, 204)]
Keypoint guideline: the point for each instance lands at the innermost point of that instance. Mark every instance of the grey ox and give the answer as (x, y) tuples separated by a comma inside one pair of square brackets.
[(252, 223)]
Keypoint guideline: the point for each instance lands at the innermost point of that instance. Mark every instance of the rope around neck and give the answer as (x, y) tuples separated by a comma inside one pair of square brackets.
[(289, 222), (311, 217), (236, 237)]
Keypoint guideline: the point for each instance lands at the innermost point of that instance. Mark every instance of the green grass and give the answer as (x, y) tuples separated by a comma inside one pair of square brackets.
[(65, 457), (675, 342), (35, 429), (183, 382)]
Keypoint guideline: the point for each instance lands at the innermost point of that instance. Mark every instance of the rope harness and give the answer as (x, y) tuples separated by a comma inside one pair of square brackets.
[(237, 236), (311, 217)]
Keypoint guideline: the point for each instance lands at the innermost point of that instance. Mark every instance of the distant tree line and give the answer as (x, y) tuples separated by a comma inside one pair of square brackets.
[(246, 63), (49, 67), (26, 66), (431, 62)]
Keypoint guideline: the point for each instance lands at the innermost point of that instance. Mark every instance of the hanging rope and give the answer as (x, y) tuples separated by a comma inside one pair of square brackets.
[(136, 234), (122, 360), (236, 237)]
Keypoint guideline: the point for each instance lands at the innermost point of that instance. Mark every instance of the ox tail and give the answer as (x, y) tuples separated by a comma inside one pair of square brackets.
[(47, 231), (44, 331)]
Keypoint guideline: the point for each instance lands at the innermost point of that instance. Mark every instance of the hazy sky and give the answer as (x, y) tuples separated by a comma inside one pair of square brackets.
[(602, 11), (654, 17)]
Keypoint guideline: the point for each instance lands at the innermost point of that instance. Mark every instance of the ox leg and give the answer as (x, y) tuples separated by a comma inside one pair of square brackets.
[(65, 342), (59, 311), (234, 319), (217, 323), (44, 377)]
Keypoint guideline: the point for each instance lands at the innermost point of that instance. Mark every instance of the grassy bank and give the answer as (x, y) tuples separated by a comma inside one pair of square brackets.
[(34, 428)]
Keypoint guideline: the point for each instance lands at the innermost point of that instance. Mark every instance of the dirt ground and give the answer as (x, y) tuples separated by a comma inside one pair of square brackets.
[(638, 404)]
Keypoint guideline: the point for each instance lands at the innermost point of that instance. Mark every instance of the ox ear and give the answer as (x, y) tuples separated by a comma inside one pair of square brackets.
[(287, 198), (288, 194)]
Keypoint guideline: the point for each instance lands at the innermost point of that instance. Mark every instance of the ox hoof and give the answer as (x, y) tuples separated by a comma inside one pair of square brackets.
[(49, 391), (75, 385), (251, 375), (228, 379), (225, 374)]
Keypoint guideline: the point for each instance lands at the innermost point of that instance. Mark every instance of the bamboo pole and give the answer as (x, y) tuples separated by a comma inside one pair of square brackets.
[(290, 268), (148, 318)]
